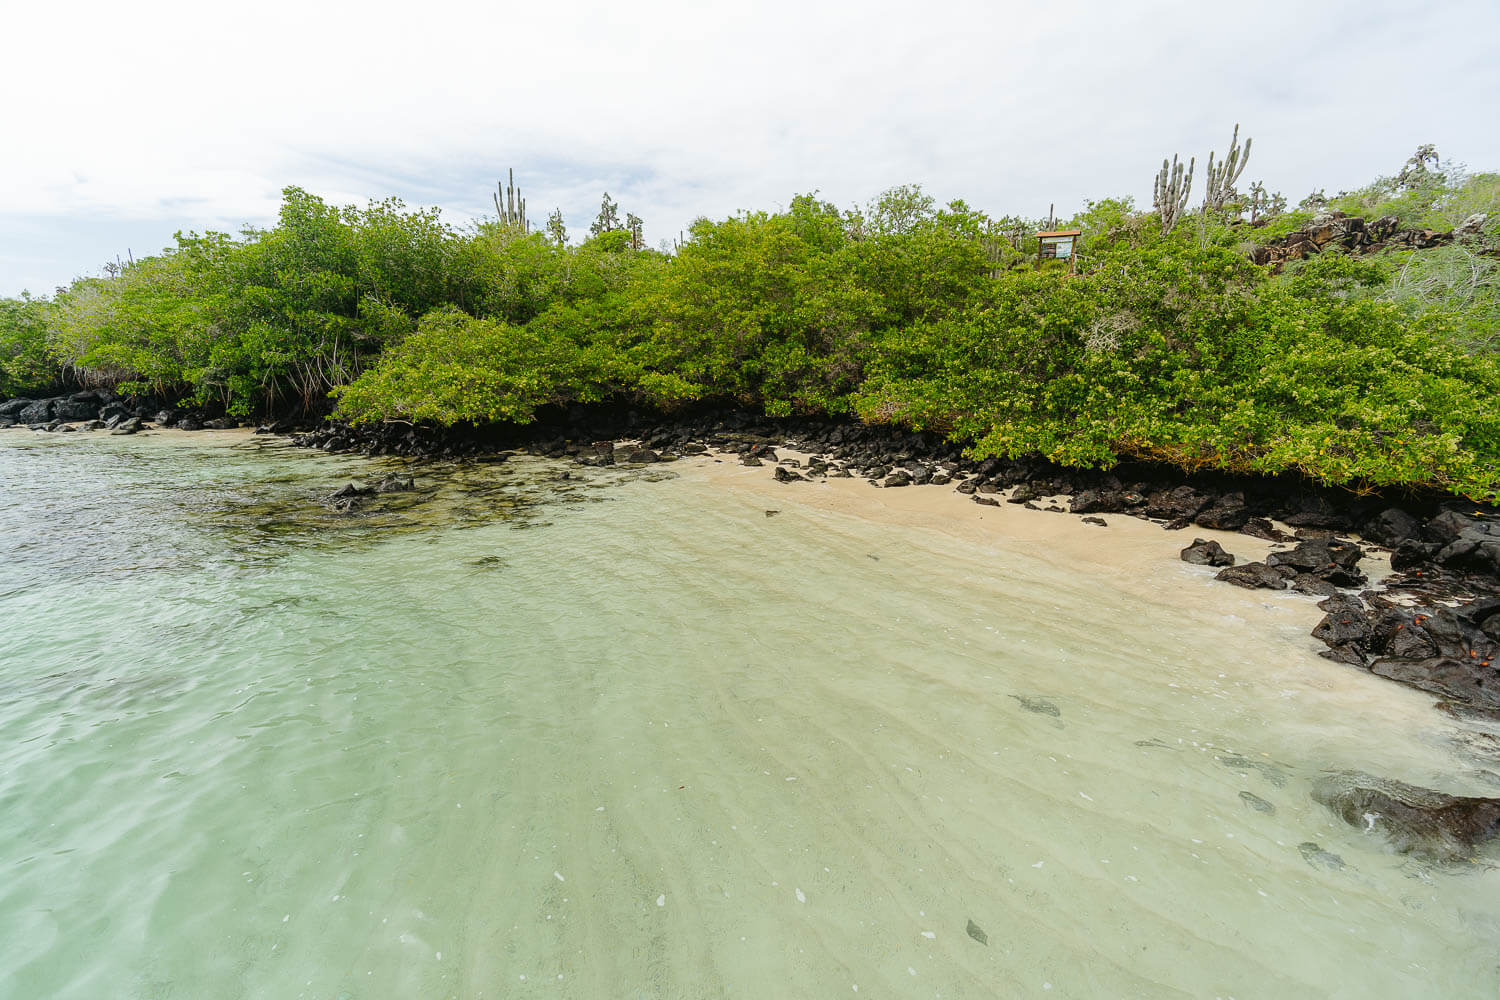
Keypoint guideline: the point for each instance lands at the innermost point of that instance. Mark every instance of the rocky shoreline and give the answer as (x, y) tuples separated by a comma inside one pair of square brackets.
[(1433, 624), (102, 409)]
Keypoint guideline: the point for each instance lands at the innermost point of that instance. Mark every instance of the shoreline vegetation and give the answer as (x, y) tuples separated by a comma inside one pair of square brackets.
[(1351, 340)]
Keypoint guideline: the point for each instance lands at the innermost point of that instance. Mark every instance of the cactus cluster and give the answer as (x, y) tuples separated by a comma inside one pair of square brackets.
[(1221, 178), (1170, 195), (512, 211)]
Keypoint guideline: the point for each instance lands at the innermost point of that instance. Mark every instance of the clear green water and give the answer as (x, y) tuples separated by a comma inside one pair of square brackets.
[(631, 738)]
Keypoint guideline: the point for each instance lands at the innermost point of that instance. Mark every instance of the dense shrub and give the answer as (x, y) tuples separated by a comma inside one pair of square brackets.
[(1368, 372), (25, 364)]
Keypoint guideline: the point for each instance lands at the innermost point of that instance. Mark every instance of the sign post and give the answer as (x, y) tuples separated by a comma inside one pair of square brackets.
[(1057, 244)]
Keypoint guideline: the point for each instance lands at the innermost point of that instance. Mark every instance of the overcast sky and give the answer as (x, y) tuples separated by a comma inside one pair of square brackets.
[(125, 122)]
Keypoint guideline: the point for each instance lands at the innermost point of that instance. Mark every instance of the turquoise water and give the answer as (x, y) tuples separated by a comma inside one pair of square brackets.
[(626, 735)]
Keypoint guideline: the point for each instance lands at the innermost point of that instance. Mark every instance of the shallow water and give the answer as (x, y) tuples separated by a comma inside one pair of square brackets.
[(629, 736)]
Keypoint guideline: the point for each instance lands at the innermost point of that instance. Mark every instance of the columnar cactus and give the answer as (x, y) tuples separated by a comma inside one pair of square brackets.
[(512, 211), (1221, 178), (1170, 195)]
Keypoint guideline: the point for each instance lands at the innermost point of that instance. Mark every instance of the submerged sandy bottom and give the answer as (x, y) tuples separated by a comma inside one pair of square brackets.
[(660, 744)]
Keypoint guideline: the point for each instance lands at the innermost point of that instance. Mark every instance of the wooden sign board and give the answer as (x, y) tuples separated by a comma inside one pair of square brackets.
[(1057, 245)]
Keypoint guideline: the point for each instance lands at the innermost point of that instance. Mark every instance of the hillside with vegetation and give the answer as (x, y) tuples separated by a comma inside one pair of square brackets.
[(1354, 361)]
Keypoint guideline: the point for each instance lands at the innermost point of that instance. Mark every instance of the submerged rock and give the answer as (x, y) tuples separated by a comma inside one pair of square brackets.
[(1041, 706), (1319, 858), (346, 498), (1275, 775), (397, 484), (1414, 819), (974, 931), (1257, 803)]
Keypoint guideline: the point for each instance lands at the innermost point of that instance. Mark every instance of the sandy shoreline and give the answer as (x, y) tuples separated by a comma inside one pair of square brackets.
[(1142, 555)]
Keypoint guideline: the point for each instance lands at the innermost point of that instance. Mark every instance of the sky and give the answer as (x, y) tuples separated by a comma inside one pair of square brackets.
[(126, 122)]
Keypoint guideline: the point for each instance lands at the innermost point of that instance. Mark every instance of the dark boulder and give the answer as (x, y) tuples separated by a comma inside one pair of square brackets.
[(1391, 526), (1227, 513), (1307, 583), (1252, 576), (395, 484), (165, 418), (1413, 554), (637, 456), (1025, 493), (1413, 819), (1172, 505), (1316, 512), (113, 413), (1458, 679), (1207, 553), (74, 410), (130, 426), (986, 501), (1346, 622), (969, 485), (1095, 502), (748, 459), (13, 407), (1474, 551), (1450, 525), (899, 478), (785, 475), (39, 412), (1101, 522), (1332, 561), (1259, 527)]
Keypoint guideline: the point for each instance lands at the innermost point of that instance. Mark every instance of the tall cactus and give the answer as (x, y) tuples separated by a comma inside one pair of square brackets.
[(512, 211), (1221, 178), (1170, 195)]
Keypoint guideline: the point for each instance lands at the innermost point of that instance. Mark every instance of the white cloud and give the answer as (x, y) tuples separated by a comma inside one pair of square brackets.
[(142, 116)]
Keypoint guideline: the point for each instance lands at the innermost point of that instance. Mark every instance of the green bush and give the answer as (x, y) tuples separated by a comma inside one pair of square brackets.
[(456, 368), (26, 366)]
